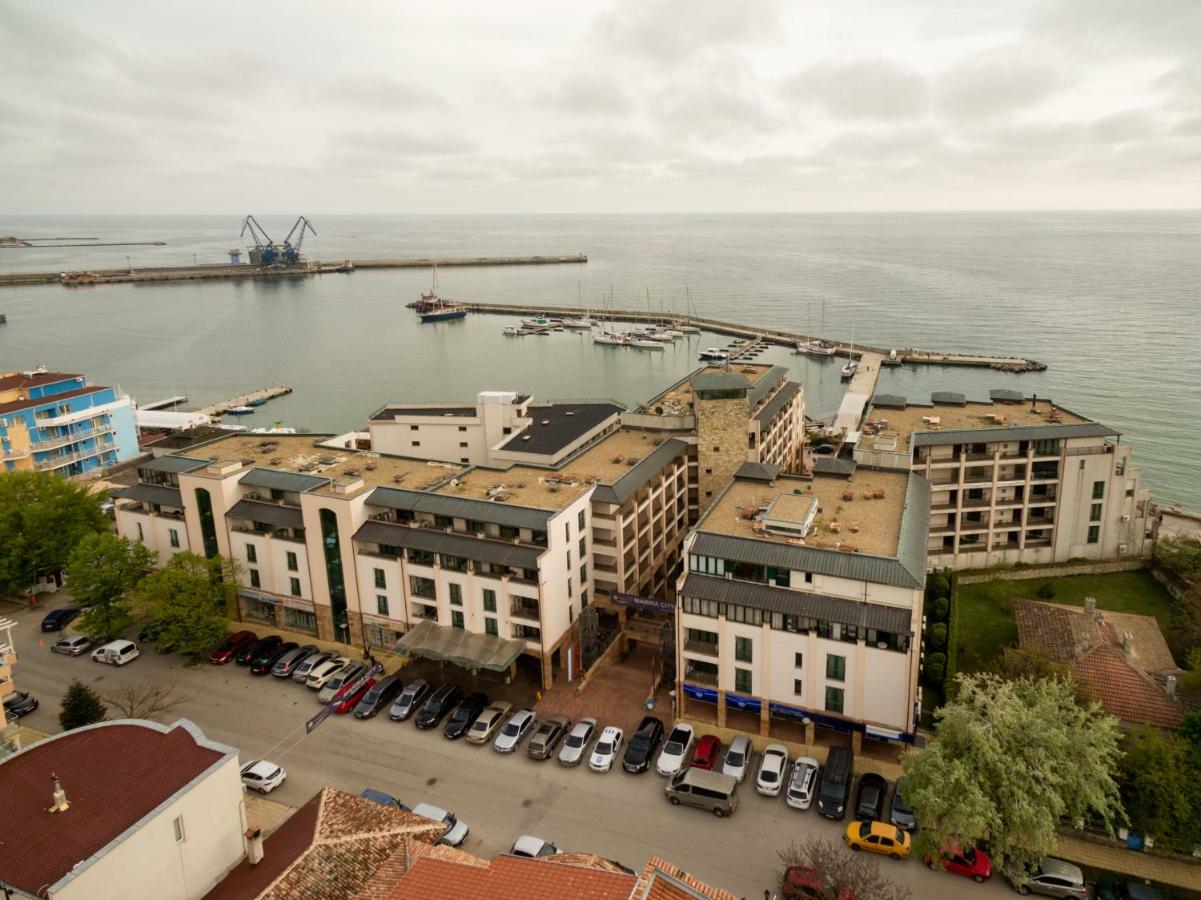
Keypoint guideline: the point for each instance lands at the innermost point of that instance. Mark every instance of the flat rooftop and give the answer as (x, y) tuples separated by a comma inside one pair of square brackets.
[(555, 426), (300, 453), (389, 413), (613, 457), (870, 526), (899, 424), (677, 399)]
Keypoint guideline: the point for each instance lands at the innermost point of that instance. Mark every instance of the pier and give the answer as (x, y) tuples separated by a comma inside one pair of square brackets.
[(263, 394), (168, 403)]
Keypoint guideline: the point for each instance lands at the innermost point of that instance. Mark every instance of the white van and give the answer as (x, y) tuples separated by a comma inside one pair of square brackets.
[(116, 653)]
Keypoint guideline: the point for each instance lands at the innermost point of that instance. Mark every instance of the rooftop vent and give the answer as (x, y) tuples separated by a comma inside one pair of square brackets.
[(59, 797), (544, 422), (570, 412)]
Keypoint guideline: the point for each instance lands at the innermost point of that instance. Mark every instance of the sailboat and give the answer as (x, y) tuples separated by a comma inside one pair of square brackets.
[(432, 308), (816, 347), (580, 323), (852, 364), (686, 327)]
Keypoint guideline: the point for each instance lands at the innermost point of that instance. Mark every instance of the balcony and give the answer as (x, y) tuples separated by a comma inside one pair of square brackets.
[(607, 568), (65, 459), (701, 674), (701, 648), (81, 435), (524, 609)]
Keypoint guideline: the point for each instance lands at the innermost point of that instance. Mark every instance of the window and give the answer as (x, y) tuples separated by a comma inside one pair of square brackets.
[(836, 667), (422, 587), (456, 595), (583, 599), (462, 443), (567, 531), (1098, 490), (808, 578), (464, 459), (1095, 513), (798, 660), (743, 648), (416, 443), (1094, 533), (252, 555), (569, 557), (579, 520), (381, 604), (456, 619), (463, 428), (141, 535), (834, 699), (173, 535), (490, 626), (1046, 448), (489, 600), (742, 681), (583, 546), (381, 578), (780, 576), (413, 427), (583, 574), (798, 687), (506, 430), (254, 578), (292, 565), (298, 618), (294, 586), (180, 836)]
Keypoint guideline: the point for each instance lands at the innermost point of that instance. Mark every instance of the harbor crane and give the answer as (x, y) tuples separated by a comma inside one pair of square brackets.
[(266, 252), (291, 252)]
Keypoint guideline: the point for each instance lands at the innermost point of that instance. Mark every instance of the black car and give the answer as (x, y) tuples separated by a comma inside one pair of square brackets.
[(869, 802), (643, 745), (378, 697), (22, 703), (465, 713), (150, 635), (1125, 890), (440, 702), (250, 652), (262, 663), (410, 700), (59, 619)]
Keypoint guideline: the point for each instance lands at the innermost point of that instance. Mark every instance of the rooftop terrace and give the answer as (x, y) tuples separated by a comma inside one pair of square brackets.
[(862, 513), (677, 399), (899, 424)]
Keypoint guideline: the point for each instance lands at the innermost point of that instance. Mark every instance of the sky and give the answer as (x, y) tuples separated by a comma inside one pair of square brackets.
[(609, 107)]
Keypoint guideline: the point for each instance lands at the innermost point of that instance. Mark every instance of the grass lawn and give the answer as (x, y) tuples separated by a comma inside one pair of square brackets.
[(986, 624)]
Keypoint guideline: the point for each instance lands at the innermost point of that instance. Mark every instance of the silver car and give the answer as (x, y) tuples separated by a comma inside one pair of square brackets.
[(344, 676), (488, 721), (515, 729), (738, 757), (311, 662), (1049, 878), (575, 748), (456, 831), (72, 646), (286, 664)]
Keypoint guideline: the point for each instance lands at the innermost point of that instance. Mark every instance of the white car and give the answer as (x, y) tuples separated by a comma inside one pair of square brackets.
[(116, 653), (262, 776), (455, 831), (608, 745), (73, 645), (738, 758), (323, 672), (771, 770), (674, 754), (513, 731), (533, 847), (803, 783), (576, 746)]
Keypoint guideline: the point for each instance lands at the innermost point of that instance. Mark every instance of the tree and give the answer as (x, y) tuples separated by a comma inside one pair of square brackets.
[(1160, 787), (937, 609), (936, 667), (186, 600), (81, 706), (938, 586), (143, 701), (1190, 681), (1190, 733), (936, 636), (42, 517), (1010, 761), (102, 570), (835, 873)]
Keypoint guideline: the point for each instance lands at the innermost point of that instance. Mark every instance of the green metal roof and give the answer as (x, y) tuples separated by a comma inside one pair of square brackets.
[(833, 465), (753, 471), (462, 507), (720, 380), (778, 402), (889, 401), (1011, 433), (948, 398), (646, 469), (152, 493), (766, 384), (276, 480), (499, 553), (272, 513), (1006, 395), (174, 464)]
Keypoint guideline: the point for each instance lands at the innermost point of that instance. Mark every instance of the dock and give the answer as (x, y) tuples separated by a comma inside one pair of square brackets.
[(859, 392), (267, 393), (168, 403)]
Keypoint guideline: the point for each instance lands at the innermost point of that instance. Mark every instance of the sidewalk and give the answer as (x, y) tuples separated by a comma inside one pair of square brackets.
[(1114, 858)]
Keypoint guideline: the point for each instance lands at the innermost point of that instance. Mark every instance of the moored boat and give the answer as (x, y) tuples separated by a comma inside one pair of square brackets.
[(713, 354), (851, 367), (814, 348), (240, 410)]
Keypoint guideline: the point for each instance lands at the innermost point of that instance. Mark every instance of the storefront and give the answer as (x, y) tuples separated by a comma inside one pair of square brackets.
[(380, 634), (276, 611)]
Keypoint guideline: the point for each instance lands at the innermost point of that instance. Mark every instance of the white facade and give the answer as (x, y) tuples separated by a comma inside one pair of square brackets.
[(452, 432)]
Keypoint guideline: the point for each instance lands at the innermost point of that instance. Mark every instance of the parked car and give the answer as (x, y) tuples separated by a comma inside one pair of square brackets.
[(286, 665), (513, 731), (410, 700), (899, 813), (546, 737), (575, 748), (675, 750), (248, 653), (738, 757), (1049, 877), (772, 767), (455, 831), (1125, 890), (802, 882), (608, 745), (345, 677), (264, 662), (803, 783), (73, 645), (878, 837), (971, 863), (22, 703), (310, 662), (381, 694), (643, 744), (116, 653), (533, 847), (704, 789), (149, 634), (438, 705), (464, 714), (835, 786), (383, 799), (58, 619), (231, 647), (488, 721), (869, 802), (706, 752), (262, 776), (321, 673), (348, 698)]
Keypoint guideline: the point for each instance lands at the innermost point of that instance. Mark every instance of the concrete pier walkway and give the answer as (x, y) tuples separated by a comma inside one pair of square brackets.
[(266, 393)]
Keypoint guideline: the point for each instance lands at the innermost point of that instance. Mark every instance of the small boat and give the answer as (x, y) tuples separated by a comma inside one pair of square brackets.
[(240, 410), (688, 329), (541, 322), (852, 365), (605, 337), (432, 308), (256, 402), (671, 333), (713, 354), (643, 344), (513, 330), (578, 324), (814, 348)]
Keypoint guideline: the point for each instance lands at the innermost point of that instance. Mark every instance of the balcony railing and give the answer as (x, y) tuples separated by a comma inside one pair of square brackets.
[(701, 648), (65, 459), (82, 435), (700, 676), (524, 611)]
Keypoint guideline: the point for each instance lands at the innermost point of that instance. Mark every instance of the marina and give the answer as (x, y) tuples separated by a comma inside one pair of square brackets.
[(245, 404)]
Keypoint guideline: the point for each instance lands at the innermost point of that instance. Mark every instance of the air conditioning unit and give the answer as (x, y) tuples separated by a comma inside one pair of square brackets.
[(1122, 549), (1125, 517)]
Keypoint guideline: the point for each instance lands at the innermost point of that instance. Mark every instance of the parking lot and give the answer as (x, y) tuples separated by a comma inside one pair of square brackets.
[(620, 816)]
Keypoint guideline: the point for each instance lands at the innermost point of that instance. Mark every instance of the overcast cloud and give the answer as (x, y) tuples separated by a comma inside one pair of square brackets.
[(618, 106)]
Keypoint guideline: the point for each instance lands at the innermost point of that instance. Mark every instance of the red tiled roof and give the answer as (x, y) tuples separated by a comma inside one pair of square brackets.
[(511, 878), (1125, 693), (662, 880), (114, 774), (14, 405), (18, 380), (280, 850)]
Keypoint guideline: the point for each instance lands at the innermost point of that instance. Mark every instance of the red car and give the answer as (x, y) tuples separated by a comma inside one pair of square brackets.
[(973, 864), (348, 701), (230, 647), (706, 752), (801, 883)]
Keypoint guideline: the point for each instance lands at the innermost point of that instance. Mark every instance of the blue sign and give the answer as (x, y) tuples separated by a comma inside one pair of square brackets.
[(747, 703), (788, 712), (650, 604), (319, 718), (705, 695)]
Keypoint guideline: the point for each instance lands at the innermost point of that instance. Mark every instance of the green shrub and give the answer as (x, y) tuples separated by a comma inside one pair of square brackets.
[(936, 636), (936, 667), (937, 585), (1046, 591), (937, 609)]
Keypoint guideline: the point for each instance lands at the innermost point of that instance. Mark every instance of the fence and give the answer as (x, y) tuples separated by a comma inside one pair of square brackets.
[(1025, 573)]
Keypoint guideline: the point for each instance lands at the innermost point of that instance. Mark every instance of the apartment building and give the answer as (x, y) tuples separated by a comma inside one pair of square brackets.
[(802, 602), (58, 422), (1017, 479)]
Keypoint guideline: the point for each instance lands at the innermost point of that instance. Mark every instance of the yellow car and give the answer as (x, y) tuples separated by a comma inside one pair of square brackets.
[(879, 837)]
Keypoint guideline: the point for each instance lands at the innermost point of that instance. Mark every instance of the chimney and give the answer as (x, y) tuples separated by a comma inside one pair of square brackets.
[(1169, 685), (59, 796), (1090, 604), (1127, 642), (254, 845)]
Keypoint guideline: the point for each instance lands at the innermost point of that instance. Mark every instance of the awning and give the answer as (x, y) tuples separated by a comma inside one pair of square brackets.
[(467, 649), (152, 493), (276, 514)]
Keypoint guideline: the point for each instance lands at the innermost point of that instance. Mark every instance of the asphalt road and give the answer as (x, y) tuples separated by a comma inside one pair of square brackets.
[(501, 797)]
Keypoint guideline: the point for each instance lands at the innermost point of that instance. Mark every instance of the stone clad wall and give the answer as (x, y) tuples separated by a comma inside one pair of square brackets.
[(720, 424), (1101, 567)]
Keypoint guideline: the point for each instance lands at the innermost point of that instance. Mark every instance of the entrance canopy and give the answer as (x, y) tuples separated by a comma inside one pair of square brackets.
[(461, 647)]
